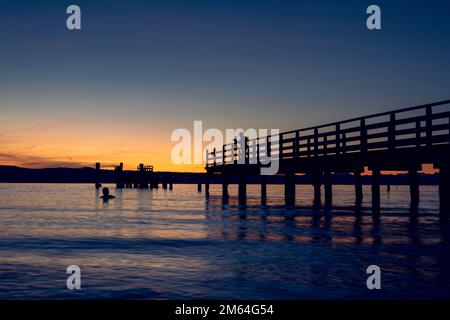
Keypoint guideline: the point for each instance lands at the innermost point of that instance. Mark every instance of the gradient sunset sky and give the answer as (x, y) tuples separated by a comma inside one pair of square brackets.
[(115, 90)]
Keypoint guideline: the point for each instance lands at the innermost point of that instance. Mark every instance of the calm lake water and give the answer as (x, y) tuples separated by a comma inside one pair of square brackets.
[(179, 245)]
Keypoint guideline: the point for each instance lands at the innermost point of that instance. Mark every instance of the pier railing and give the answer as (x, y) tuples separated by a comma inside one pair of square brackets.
[(414, 127)]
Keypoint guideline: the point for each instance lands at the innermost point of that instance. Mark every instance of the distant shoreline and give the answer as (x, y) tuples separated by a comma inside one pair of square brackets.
[(13, 174)]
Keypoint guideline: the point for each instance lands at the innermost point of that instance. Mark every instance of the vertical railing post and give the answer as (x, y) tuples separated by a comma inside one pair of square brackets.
[(325, 145), (309, 147), (280, 148), (257, 150), (224, 149), (246, 151), (391, 133), (214, 154), (363, 135), (207, 157), (338, 139), (418, 134), (235, 149), (449, 129), (429, 125), (344, 143), (316, 142), (269, 146)]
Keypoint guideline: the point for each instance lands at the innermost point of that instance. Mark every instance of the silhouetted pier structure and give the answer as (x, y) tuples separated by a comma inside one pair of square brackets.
[(142, 178), (398, 140)]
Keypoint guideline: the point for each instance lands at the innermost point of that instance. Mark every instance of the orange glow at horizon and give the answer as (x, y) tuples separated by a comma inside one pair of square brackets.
[(82, 145)]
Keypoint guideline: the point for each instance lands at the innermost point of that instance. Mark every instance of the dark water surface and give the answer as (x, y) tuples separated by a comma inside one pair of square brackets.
[(178, 244)]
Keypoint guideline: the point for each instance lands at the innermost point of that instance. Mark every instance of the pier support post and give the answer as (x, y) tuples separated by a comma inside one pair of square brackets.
[(358, 189), (317, 182), (97, 176), (414, 189), (225, 186), (328, 189), (164, 185), (289, 189), (119, 176), (153, 183), (170, 186), (263, 190), (376, 176), (242, 190), (207, 185), (199, 187), (444, 190)]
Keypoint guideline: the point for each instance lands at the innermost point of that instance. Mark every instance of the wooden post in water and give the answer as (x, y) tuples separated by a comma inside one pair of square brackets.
[(358, 188), (207, 185), (414, 189), (376, 175), (199, 187), (171, 186), (119, 176), (97, 176), (224, 185), (289, 189), (242, 190), (317, 182), (263, 190), (328, 186)]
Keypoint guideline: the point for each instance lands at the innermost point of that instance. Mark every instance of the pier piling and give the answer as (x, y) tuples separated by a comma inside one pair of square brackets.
[(358, 188), (328, 189), (263, 190), (289, 189), (119, 176), (414, 189), (97, 176), (225, 186), (376, 176), (242, 190), (317, 182)]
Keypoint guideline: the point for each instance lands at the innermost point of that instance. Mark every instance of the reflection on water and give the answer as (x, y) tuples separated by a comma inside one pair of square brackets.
[(181, 244)]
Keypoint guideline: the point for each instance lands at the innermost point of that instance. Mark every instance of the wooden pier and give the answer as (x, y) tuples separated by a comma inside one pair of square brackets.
[(142, 178), (398, 140)]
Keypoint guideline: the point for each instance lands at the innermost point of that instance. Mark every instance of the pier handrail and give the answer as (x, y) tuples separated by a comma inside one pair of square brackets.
[(366, 136)]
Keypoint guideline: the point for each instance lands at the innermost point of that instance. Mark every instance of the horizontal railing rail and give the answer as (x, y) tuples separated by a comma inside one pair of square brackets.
[(413, 127)]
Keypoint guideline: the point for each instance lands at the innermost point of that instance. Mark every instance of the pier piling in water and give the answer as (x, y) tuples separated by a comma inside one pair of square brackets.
[(242, 190), (289, 190), (119, 176), (263, 190), (224, 185), (358, 188), (97, 176), (207, 185), (414, 189), (328, 189), (317, 182), (376, 176)]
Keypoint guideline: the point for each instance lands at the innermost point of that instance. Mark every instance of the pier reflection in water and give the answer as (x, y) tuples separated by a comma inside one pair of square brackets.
[(160, 244)]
